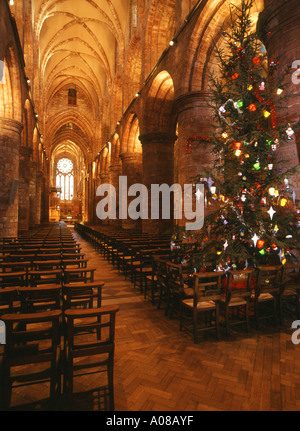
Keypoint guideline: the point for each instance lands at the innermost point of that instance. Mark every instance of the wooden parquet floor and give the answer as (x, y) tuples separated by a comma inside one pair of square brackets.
[(158, 368)]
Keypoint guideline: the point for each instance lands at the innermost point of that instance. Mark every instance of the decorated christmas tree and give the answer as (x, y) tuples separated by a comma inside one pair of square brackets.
[(254, 218)]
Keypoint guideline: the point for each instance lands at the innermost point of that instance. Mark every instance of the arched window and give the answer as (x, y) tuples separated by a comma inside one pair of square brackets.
[(65, 179)]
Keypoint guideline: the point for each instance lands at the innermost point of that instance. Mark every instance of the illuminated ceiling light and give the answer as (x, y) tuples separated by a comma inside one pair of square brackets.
[(11, 2), (171, 42)]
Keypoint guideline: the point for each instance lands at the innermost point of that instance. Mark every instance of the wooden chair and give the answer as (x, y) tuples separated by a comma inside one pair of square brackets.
[(79, 275), (143, 268), (46, 265), (290, 289), (206, 299), (33, 343), (82, 342), (237, 297), (157, 280), (36, 278), (15, 267), (41, 298), (74, 263), (266, 291), (83, 295), (9, 300), (177, 288), (13, 279)]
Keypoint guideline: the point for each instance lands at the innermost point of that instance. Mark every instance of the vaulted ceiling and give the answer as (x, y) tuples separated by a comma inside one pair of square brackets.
[(79, 40)]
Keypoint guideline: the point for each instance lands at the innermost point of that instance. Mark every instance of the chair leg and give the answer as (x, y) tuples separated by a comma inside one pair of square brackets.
[(110, 377), (217, 315), (247, 316), (195, 323), (6, 389), (227, 320)]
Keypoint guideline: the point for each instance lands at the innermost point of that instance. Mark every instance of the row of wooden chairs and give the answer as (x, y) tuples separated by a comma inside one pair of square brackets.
[(54, 317), (234, 292), (260, 293)]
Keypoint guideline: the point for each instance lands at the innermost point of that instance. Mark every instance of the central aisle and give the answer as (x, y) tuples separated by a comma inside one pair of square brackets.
[(158, 368)]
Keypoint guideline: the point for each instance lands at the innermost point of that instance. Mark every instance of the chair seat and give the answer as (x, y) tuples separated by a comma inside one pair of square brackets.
[(264, 297), (235, 301), (290, 292), (205, 305)]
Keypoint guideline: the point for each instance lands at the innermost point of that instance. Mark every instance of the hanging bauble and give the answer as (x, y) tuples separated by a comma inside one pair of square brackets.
[(260, 243), (290, 133), (256, 60), (256, 166), (252, 107), (279, 91), (234, 76), (238, 145), (262, 86), (283, 202)]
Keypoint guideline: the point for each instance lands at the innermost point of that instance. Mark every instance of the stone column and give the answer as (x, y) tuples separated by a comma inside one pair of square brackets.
[(279, 30), (24, 175), (194, 118), (32, 194), (132, 169), (10, 139), (158, 168), (38, 198)]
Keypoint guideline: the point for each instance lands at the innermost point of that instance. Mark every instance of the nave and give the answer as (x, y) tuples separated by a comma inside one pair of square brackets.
[(159, 368)]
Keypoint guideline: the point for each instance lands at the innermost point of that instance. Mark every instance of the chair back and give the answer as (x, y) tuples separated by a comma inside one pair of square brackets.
[(208, 286), (268, 279), (83, 327), (31, 338), (41, 298), (239, 283), (290, 277), (175, 278)]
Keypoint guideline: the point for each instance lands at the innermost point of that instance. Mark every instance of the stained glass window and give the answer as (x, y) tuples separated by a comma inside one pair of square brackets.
[(65, 179)]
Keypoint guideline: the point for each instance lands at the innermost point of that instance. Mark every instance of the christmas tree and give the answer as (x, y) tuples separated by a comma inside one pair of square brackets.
[(254, 218)]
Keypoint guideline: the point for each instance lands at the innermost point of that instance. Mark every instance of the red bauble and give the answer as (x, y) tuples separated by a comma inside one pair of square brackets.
[(252, 107)]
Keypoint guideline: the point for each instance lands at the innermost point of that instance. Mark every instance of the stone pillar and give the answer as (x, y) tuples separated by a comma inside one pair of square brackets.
[(279, 30), (158, 168), (115, 171), (10, 139), (32, 194), (194, 118), (38, 198), (24, 176), (132, 169)]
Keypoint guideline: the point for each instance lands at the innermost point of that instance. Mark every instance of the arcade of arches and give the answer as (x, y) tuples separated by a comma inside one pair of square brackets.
[(92, 90)]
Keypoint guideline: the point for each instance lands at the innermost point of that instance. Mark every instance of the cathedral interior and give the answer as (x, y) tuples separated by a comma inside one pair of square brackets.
[(95, 90)]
